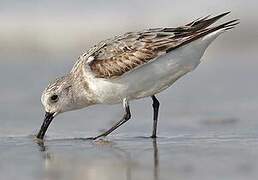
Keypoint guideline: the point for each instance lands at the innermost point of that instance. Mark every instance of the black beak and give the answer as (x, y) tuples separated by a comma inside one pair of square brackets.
[(47, 120)]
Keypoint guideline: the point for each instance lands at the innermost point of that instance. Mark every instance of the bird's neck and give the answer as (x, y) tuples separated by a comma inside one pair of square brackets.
[(82, 95)]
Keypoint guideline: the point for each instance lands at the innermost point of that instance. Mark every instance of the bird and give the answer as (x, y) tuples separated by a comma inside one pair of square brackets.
[(131, 66)]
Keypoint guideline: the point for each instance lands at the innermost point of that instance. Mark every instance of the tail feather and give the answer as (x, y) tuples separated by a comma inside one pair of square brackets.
[(202, 23), (225, 26), (203, 32)]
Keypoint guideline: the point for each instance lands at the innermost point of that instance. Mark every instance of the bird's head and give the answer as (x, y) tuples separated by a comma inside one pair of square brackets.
[(56, 98), (67, 93)]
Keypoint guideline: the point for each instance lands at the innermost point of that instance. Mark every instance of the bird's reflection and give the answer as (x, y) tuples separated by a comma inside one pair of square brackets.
[(41, 146), (110, 160), (43, 149), (155, 159)]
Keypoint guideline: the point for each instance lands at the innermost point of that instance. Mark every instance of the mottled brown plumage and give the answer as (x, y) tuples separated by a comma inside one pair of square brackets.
[(114, 57)]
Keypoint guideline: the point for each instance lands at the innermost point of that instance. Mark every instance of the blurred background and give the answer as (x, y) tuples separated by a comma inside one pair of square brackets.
[(41, 40)]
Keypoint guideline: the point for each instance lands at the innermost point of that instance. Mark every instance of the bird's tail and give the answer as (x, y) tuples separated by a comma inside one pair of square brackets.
[(202, 23), (200, 28)]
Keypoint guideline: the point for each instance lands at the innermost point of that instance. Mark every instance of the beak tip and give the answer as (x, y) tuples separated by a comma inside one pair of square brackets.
[(48, 119)]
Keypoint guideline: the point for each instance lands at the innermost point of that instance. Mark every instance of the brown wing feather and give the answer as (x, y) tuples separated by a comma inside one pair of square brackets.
[(124, 53)]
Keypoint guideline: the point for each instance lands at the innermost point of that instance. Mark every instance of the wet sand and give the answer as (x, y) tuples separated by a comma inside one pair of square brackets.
[(130, 158)]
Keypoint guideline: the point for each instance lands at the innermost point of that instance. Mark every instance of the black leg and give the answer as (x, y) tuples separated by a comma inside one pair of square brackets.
[(155, 106), (125, 118)]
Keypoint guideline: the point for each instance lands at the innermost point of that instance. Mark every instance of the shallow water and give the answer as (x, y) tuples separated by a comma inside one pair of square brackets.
[(130, 158)]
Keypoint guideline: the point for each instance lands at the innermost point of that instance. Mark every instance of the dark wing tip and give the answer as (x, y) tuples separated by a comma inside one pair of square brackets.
[(204, 22), (229, 25), (198, 34)]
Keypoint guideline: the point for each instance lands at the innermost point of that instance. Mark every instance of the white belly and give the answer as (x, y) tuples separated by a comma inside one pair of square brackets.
[(154, 76)]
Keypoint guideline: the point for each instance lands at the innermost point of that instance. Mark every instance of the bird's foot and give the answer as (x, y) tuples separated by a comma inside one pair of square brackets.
[(153, 136), (96, 137), (91, 138)]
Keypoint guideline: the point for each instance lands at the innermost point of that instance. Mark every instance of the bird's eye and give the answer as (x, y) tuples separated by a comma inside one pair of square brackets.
[(54, 98)]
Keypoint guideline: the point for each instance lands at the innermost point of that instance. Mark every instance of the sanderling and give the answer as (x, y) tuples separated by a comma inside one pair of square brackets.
[(131, 66)]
